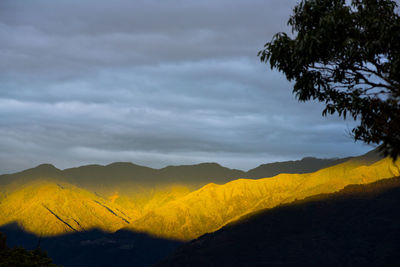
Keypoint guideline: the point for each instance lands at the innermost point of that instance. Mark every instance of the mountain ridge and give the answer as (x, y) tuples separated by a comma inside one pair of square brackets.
[(212, 206), (128, 170), (175, 210)]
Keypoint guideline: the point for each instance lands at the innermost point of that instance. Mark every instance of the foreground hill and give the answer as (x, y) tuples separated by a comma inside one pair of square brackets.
[(358, 226), (94, 247), (21, 257)]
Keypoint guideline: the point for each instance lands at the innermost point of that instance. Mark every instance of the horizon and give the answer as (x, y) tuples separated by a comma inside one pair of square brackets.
[(180, 165)]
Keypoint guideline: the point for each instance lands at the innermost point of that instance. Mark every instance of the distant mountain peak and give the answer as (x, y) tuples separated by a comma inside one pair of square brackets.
[(46, 166), (122, 164)]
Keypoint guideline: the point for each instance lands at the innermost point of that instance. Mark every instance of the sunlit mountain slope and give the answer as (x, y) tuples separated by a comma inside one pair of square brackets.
[(212, 206), (133, 187), (308, 164), (48, 201), (51, 208), (357, 226)]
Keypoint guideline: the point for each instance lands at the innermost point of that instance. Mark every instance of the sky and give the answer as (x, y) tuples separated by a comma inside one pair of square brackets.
[(152, 82)]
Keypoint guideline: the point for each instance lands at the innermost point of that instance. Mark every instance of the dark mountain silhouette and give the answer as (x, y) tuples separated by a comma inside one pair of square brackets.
[(307, 165), (198, 174), (128, 172), (41, 171), (125, 172), (95, 247), (357, 226)]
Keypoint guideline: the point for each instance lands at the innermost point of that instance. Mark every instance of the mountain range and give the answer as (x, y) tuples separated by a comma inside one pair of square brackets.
[(175, 204)]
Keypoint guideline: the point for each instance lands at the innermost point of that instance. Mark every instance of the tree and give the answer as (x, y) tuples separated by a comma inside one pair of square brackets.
[(347, 56), (21, 257)]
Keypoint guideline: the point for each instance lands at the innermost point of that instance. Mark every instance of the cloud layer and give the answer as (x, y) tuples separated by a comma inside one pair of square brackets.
[(153, 82)]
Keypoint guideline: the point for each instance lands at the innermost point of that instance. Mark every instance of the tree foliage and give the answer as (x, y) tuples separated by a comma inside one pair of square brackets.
[(347, 56), (21, 257)]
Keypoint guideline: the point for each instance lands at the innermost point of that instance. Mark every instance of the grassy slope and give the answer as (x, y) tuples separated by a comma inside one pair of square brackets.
[(51, 208), (212, 206), (358, 226)]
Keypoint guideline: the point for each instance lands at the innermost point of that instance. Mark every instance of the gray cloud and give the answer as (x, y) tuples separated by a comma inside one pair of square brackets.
[(156, 83)]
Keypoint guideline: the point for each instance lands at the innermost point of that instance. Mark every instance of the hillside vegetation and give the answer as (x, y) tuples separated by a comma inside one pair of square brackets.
[(47, 201), (207, 209), (357, 226), (18, 256), (49, 208)]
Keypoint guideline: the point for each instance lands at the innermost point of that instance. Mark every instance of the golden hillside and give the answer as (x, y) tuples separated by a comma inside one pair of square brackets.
[(53, 206), (212, 206)]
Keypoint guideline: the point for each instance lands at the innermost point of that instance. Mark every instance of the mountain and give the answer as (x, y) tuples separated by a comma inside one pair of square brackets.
[(307, 165), (161, 207), (134, 187), (49, 208), (357, 226), (98, 176), (123, 172), (47, 201), (207, 209), (117, 175), (47, 171)]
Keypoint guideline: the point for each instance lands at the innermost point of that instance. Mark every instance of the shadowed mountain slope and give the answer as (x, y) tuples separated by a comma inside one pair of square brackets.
[(95, 247), (358, 226), (305, 165), (47, 171), (18, 256), (123, 172)]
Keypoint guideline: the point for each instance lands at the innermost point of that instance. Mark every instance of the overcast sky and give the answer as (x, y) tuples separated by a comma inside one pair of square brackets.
[(152, 82)]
